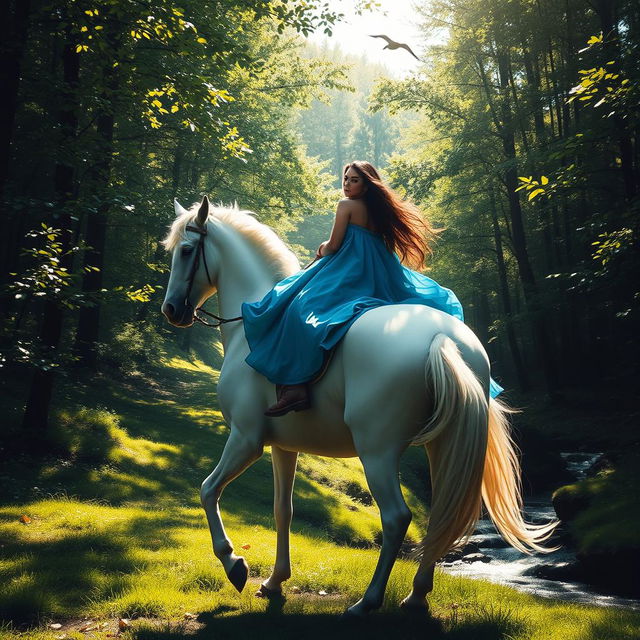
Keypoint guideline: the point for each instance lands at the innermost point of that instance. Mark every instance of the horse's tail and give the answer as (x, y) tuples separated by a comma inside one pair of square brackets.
[(471, 456), (502, 486)]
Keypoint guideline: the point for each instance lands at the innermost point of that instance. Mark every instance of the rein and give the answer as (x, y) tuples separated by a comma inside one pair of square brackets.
[(202, 231)]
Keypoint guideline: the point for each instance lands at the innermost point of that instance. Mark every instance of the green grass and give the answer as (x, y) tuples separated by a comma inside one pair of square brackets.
[(115, 530)]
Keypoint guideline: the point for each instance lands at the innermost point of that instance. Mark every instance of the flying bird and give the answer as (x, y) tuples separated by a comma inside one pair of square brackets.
[(392, 44)]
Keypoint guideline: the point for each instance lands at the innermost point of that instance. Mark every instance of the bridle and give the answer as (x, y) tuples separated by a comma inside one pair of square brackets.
[(202, 232)]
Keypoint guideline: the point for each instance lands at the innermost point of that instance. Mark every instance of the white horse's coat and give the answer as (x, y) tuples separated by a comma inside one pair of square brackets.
[(403, 374)]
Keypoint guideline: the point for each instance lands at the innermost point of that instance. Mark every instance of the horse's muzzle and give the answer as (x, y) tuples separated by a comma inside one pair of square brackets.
[(178, 317)]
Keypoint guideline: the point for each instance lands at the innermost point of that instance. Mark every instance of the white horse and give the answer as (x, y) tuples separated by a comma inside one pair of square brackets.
[(403, 375)]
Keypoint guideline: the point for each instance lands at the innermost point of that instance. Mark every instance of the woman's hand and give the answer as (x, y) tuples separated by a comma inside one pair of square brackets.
[(319, 253)]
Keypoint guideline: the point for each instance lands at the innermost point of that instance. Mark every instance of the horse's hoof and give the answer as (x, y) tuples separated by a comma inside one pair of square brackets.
[(269, 594), (239, 574), (415, 609), (350, 616), (357, 611)]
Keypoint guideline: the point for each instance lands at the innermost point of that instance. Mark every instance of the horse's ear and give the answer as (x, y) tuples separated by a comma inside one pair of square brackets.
[(179, 209), (203, 212)]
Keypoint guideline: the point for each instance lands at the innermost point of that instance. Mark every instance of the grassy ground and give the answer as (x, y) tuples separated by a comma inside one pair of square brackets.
[(108, 526)]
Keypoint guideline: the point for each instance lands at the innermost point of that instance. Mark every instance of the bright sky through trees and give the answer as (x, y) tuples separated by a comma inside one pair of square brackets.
[(397, 19)]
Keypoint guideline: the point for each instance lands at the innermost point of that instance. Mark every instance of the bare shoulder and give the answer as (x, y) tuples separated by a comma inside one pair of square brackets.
[(343, 210), (348, 204)]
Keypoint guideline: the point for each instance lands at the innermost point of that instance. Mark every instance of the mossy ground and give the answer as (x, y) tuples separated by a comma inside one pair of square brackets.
[(114, 529), (606, 422)]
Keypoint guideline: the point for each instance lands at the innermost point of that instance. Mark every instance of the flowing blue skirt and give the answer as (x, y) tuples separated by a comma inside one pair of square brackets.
[(291, 330)]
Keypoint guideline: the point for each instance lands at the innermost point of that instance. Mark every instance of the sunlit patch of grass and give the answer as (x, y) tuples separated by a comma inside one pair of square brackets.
[(345, 476), (129, 539), (133, 562), (203, 414), (194, 365)]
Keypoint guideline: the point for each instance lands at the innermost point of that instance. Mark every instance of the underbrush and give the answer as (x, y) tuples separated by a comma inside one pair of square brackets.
[(108, 525)]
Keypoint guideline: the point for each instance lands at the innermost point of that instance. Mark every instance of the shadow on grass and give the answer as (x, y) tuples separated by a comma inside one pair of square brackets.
[(222, 625), (623, 624), (76, 561), (56, 577), (183, 450)]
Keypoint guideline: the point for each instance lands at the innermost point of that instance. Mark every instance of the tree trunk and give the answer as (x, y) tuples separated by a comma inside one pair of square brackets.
[(527, 277), (95, 236), (14, 19), (14, 16), (535, 101), (96, 227), (36, 416), (521, 373), (611, 46)]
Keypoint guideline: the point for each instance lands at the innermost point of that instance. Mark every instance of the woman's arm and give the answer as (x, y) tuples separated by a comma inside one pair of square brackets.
[(343, 215)]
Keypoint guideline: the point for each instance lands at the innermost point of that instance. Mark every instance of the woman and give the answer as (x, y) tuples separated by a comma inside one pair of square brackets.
[(292, 330)]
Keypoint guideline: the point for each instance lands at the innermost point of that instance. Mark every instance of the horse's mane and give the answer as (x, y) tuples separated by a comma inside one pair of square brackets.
[(261, 237)]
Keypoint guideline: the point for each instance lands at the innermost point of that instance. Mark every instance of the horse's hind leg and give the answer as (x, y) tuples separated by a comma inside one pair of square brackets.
[(284, 471), (381, 470), (239, 452), (423, 580), (422, 585)]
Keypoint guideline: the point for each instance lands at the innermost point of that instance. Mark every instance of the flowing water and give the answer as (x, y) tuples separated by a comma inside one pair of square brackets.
[(511, 567)]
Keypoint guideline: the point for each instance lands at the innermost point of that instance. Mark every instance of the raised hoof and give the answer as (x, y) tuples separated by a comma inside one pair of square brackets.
[(269, 594), (239, 574)]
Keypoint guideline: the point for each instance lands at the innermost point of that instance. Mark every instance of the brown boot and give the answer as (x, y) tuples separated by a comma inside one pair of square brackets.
[(294, 397)]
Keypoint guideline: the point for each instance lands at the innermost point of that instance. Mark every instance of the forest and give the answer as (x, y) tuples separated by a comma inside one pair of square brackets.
[(517, 137)]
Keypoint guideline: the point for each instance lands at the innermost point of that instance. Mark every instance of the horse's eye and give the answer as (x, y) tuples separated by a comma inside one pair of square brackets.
[(186, 251)]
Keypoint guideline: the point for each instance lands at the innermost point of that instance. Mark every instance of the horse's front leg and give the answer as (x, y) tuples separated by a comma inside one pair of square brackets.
[(239, 452), (381, 470), (284, 471)]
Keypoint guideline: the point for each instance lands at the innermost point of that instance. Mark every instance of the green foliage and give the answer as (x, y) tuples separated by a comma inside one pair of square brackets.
[(339, 127), (612, 244), (499, 99), (534, 188), (200, 100), (602, 85), (45, 277), (85, 434), (610, 519), (135, 346)]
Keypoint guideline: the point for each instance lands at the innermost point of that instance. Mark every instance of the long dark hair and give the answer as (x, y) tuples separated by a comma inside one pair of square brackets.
[(404, 230)]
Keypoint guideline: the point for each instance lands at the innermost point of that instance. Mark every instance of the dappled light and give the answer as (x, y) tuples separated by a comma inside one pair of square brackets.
[(203, 200)]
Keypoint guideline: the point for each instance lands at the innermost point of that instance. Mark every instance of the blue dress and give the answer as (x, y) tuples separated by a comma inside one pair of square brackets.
[(304, 316)]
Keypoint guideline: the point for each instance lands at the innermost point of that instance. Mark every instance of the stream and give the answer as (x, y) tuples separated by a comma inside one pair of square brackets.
[(511, 567)]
